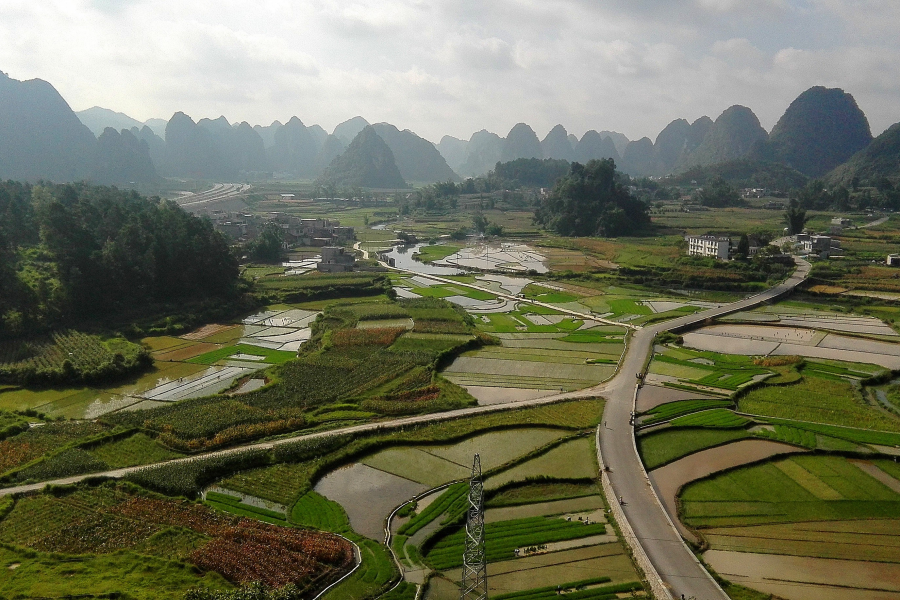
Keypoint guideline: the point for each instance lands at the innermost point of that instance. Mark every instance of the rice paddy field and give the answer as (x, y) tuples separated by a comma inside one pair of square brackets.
[(800, 518), (199, 363), (727, 441)]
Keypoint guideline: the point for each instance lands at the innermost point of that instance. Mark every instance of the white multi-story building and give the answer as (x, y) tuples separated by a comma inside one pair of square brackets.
[(709, 245)]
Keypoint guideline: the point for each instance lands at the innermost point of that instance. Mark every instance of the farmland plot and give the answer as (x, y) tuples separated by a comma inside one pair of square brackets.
[(535, 361)]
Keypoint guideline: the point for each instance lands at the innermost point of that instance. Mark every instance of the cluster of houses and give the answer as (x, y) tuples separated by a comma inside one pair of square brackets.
[(245, 227), (723, 248)]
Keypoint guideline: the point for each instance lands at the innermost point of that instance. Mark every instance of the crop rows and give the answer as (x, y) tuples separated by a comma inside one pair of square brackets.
[(504, 537), (791, 435), (575, 591), (716, 417), (455, 494), (384, 336), (670, 410), (860, 436), (67, 355), (377, 310)]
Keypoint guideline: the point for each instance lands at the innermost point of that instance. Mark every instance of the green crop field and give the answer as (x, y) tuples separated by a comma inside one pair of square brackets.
[(818, 400), (138, 449), (801, 488), (670, 410), (275, 357), (571, 460), (661, 448), (716, 418), (503, 537)]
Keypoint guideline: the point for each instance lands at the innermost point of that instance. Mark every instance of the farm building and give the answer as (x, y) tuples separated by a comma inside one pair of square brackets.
[(335, 260), (708, 245), (893, 260)]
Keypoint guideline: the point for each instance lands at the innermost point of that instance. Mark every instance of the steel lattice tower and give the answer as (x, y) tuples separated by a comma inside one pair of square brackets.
[(474, 573)]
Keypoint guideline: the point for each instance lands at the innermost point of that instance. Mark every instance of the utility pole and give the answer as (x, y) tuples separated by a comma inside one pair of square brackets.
[(474, 573)]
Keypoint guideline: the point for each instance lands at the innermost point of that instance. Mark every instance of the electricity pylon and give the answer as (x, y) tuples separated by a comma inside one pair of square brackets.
[(474, 573)]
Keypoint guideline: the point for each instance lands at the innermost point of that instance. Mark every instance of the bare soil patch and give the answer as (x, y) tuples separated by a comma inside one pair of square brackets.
[(805, 578), (206, 331), (669, 479), (651, 396)]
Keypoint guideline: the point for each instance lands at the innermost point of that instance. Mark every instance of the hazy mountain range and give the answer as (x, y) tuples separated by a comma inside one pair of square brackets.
[(41, 137)]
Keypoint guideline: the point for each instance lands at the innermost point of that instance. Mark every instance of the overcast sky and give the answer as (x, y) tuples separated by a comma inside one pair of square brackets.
[(454, 67)]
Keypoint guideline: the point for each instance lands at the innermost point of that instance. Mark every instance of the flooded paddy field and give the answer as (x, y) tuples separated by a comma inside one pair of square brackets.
[(368, 495), (533, 364), (434, 465), (791, 341), (205, 361)]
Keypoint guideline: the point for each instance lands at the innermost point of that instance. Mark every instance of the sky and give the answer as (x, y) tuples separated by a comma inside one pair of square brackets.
[(441, 67)]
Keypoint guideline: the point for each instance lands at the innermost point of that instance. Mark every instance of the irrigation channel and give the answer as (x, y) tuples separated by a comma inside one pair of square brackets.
[(669, 565)]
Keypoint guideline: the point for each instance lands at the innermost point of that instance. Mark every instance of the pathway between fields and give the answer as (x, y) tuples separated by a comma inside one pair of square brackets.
[(673, 561)]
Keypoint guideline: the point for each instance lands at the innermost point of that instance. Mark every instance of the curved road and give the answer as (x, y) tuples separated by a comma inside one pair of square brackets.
[(673, 561)]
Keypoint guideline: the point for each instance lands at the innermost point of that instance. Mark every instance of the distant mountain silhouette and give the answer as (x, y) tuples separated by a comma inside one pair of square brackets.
[(557, 145), (482, 153), (267, 133), (454, 151), (619, 139), (241, 148), (520, 142), (122, 159), (639, 158), (743, 173), (821, 129), (417, 158), (331, 149), (294, 149), (318, 134), (158, 126), (880, 159), (732, 136), (672, 143), (367, 162), (595, 146), (349, 129), (40, 135), (193, 152), (97, 119), (155, 144)]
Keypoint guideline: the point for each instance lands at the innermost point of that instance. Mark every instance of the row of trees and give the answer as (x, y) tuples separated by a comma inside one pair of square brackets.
[(75, 250)]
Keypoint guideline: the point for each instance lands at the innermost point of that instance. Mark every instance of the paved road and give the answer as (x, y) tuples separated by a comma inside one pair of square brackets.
[(674, 562)]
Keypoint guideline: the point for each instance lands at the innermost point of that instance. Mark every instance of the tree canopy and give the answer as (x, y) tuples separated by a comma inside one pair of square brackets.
[(71, 251), (718, 193), (591, 200)]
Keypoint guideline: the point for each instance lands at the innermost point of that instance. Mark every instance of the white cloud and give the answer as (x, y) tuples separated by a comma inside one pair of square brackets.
[(456, 66)]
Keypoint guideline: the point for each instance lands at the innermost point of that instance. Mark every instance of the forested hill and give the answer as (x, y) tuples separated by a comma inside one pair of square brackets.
[(70, 252)]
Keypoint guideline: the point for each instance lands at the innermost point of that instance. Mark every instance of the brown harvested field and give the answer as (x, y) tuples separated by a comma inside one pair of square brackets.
[(878, 474), (206, 331), (182, 354), (871, 540), (805, 578), (669, 479), (651, 396), (163, 342), (503, 395)]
